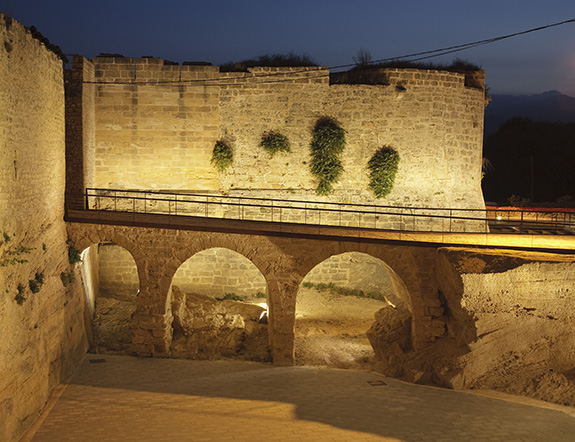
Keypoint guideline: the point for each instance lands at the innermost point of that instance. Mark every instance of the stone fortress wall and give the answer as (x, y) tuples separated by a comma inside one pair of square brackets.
[(156, 125), (43, 338), (142, 136)]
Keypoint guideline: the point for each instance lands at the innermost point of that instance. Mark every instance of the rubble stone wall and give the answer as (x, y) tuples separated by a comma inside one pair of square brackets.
[(354, 271), (218, 271)]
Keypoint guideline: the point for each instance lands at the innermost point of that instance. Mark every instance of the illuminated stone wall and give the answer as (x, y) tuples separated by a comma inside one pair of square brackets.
[(80, 153), (213, 272), (356, 271), (160, 135), (219, 271), (155, 136), (431, 118), (117, 273), (41, 340)]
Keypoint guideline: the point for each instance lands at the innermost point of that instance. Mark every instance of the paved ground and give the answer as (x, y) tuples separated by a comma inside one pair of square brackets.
[(118, 398)]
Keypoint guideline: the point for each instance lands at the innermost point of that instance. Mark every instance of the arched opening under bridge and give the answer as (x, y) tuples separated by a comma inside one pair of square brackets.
[(112, 284), (218, 301), (337, 305)]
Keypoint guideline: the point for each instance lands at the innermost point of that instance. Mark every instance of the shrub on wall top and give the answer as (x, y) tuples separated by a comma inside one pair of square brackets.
[(222, 155), (382, 170), (273, 142), (327, 144)]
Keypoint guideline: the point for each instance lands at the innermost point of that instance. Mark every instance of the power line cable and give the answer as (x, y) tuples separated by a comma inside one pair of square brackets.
[(464, 46), (417, 56)]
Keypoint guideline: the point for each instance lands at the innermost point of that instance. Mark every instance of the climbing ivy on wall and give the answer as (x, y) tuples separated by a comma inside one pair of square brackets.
[(273, 142), (13, 255), (327, 144), (383, 167), (36, 283), (20, 297), (74, 255), (222, 155)]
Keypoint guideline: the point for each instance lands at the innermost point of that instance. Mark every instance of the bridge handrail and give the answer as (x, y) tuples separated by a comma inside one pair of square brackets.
[(453, 215), (327, 203)]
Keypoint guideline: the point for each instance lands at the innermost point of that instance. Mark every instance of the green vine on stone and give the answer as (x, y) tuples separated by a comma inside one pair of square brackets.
[(327, 144), (67, 277), (230, 296), (273, 142), (14, 255), (222, 156), (20, 298), (344, 291), (74, 255), (383, 167), (36, 283)]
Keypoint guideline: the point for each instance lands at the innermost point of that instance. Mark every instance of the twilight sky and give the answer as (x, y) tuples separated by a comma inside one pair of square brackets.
[(329, 31)]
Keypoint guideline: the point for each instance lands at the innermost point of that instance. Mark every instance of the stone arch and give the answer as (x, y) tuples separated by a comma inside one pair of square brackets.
[(218, 303), (284, 261), (111, 282), (411, 271), (336, 305), (402, 263), (280, 266)]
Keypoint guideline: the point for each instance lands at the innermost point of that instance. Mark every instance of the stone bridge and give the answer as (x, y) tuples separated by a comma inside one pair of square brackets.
[(284, 260)]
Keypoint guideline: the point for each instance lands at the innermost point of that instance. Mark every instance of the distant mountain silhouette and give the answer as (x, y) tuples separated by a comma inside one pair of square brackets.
[(551, 106)]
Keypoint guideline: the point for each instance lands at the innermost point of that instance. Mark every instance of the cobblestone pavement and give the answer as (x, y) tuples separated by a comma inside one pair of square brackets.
[(120, 398)]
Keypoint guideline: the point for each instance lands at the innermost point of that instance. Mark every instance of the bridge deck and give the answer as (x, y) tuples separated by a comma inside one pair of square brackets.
[(526, 241)]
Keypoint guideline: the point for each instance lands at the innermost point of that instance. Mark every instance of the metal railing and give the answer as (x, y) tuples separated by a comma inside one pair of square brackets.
[(330, 213)]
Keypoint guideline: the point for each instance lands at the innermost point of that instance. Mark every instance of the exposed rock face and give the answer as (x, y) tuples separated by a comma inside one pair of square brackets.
[(112, 325), (509, 327), (205, 328), (390, 337)]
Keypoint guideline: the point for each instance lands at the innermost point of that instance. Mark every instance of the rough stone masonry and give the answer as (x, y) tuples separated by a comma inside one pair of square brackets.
[(135, 131), (149, 124)]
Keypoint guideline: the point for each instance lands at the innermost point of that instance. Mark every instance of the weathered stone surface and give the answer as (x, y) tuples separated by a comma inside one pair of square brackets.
[(112, 325), (205, 328), (219, 271), (436, 124), (390, 337), (118, 274), (43, 339), (509, 326)]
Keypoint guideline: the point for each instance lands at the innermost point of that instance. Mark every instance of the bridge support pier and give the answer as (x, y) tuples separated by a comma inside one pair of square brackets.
[(152, 321), (282, 293)]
